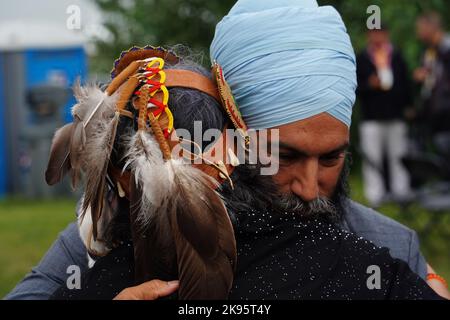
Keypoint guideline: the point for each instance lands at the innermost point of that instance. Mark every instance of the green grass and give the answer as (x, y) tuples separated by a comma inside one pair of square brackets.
[(28, 228)]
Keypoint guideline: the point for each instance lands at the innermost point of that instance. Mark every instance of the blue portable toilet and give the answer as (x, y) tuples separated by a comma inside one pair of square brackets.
[(33, 54)]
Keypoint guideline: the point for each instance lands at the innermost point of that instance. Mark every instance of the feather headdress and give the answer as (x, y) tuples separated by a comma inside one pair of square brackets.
[(179, 224)]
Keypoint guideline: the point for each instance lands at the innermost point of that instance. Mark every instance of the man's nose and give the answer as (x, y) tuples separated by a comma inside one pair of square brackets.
[(306, 183)]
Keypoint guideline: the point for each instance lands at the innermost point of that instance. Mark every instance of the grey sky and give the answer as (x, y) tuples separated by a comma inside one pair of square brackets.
[(52, 11)]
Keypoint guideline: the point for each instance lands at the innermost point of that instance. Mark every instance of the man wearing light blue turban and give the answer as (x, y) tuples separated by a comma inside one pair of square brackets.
[(291, 66), (286, 60)]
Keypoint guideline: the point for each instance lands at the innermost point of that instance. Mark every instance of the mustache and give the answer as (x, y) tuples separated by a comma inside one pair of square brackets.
[(253, 192), (293, 204)]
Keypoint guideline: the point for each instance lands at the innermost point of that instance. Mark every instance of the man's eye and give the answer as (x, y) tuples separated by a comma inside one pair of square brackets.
[(331, 160), (287, 157)]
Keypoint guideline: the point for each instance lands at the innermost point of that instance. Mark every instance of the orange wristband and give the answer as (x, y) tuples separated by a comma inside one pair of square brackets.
[(431, 276)]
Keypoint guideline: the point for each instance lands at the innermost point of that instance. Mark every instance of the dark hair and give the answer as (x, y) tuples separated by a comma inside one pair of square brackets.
[(190, 105)]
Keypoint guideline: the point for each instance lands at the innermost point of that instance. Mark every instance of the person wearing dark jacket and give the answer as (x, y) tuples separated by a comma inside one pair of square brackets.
[(434, 74), (384, 94)]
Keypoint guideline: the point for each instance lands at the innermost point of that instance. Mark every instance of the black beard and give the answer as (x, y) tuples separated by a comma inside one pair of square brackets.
[(257, 193)]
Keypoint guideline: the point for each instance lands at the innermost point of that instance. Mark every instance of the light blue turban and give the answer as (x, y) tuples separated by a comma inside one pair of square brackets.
[(286, 60)]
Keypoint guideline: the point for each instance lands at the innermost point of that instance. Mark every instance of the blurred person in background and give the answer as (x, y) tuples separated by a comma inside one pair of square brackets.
[(384, 93), (434, 74)]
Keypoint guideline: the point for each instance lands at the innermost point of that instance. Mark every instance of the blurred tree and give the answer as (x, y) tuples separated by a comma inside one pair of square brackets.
[(157, 22), (399, 15), (192, 22)]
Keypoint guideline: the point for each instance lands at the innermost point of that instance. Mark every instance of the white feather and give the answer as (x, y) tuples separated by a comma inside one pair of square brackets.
[(88, 98), (94, 152), (156, 177), (85, 231), (96, 146), (151, 174)]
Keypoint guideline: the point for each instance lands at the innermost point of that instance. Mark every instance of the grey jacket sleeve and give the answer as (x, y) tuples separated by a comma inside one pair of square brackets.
[(52, 270), (416, 260), (401, 241)]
